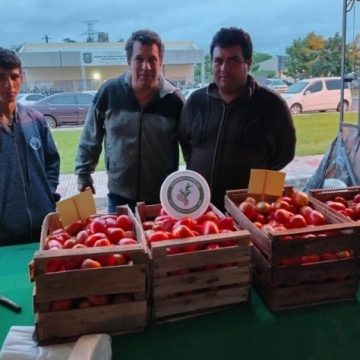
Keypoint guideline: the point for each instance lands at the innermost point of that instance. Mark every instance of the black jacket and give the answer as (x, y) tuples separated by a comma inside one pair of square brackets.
[(223, 142)]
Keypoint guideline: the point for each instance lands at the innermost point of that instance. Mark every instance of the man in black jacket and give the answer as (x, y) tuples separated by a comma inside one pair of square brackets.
[(234, 124), (137, 116)]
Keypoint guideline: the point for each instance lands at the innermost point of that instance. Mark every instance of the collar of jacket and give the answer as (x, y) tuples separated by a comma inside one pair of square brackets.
[(247, 94), (165, 86)]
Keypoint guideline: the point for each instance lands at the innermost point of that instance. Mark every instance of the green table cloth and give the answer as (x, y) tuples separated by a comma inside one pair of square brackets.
[(246, 331)]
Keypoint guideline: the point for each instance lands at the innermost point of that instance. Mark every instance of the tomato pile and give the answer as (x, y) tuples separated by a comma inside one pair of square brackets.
[(95, 231), (165, 227), (350, 208), (290, 212)]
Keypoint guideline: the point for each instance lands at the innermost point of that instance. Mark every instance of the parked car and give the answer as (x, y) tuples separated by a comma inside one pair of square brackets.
[(317, 94), (29, 98), (65, 108), (277, 85)]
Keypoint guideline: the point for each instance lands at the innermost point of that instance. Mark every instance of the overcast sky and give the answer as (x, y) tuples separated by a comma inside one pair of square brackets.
[(272, 24)]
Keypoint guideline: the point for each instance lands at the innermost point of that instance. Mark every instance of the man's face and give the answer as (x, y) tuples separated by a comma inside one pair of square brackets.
[(229, 69), (145, 65), (10, 83)]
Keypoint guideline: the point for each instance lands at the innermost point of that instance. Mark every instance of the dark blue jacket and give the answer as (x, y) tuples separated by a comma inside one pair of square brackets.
[(29, 174)]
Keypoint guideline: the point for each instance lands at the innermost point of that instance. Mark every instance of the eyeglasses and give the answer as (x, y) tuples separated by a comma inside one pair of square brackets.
[(232, 61)]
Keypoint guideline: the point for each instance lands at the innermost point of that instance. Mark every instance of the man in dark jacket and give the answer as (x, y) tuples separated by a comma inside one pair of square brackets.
[(29, 161), (234, 124), (137, 114)]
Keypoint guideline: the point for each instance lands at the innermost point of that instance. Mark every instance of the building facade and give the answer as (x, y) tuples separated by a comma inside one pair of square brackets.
[(55, 67)]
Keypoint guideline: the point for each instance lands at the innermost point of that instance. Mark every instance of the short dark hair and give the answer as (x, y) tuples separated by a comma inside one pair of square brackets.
[(9, 60), (145, 37), (232, 36)]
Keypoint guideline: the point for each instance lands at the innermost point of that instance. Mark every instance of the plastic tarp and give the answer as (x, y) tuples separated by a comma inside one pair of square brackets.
[(342, 160)]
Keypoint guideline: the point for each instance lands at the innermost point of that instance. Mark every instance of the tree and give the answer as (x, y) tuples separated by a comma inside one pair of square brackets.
[(315, 56), (302, 54)]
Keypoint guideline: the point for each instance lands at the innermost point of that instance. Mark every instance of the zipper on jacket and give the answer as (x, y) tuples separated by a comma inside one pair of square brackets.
[(217, 147), (139, 158), (24, 185)]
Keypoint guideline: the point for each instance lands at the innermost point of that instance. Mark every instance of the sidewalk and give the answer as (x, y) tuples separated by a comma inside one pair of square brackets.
[(297, 174)]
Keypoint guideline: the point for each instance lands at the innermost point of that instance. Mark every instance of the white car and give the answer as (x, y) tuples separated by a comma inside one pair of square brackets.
[(29, 99)]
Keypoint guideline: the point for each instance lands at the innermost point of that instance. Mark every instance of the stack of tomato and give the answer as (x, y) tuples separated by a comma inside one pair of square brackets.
[(350, 208), (95, 231), (165, 227), (290, 212)]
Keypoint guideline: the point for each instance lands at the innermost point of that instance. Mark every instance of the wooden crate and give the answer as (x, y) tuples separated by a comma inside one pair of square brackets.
[(323, 195), (182, 285), (307, 284), (286, 287), (127, 283)]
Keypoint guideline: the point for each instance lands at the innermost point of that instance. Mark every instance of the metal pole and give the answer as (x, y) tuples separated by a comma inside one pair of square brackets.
[(343, 47)]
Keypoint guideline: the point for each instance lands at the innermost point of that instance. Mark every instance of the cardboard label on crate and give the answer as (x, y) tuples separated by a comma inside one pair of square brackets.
[(185, 193), (266, 182), (76, 207)]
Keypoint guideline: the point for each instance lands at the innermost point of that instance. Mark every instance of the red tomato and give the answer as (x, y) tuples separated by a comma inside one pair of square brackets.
[(61, 305), (209, 215), (181, 231), (290, 261), (297, 221), (120, 259), (282, 216), (90, 241), (52, 243), (114, 234), (70, 243), (98, 225), (316, 218), (98, 300), (248, 209), (308, 259), (187, 221), (328, 256), (282, 204), (356, 198), (158, 236), (82, 236), (102, 242), (210, 227), (75, 227), (342, 200), (226, 223), (110, 222), (90, 264), (124, 222), (127, 241), (336, 205), (305, 211)]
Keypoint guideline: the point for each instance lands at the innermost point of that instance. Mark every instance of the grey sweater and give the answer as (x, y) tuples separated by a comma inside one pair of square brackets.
[(141, 144)]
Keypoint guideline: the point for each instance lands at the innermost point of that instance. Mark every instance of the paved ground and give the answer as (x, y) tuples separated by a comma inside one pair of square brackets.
[(297, 174)]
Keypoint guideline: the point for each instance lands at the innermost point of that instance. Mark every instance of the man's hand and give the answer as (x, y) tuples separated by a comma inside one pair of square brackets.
[(84, 187)]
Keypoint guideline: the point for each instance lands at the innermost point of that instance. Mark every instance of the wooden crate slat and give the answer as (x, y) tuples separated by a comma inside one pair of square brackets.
[(185, 304), (100, 319), (200, 258), (201, 280), (307, 294), (79, 283)]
